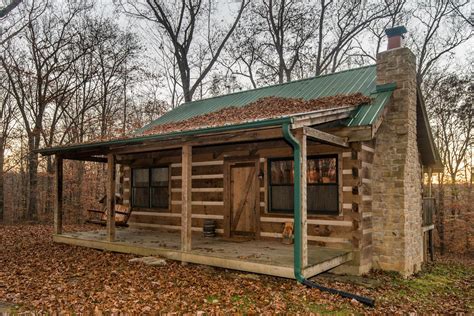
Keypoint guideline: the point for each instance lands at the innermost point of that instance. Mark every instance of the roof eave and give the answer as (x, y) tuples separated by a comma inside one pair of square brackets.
[(157, 137), (297, 120), (428, 150)]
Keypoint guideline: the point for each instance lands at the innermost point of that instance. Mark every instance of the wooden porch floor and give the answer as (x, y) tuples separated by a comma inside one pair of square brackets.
[(258, 256)]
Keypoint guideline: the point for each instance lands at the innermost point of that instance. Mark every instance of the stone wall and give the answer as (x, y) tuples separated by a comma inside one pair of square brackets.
[(397, 182)]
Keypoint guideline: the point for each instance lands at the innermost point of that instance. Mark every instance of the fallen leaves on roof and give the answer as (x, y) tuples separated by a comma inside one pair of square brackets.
[(264, 108)]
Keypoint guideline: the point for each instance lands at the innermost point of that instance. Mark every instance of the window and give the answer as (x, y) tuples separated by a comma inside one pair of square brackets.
[(150, 187), (322, 185), (323, 190)]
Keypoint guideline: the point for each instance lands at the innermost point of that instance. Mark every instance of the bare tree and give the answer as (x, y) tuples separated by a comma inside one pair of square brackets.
[(451, 111), (35, 66), (7, 111), (183, 22), (12, 17), (291, 38), (286, 28), (243, 53), (436, 29), (340, 22), (5, 10), (366, 50), (113, 55), (441, 28)]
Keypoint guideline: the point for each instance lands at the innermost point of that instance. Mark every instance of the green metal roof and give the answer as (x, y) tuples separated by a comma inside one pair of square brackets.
[(366, 114), (351, 81), (361, 80)]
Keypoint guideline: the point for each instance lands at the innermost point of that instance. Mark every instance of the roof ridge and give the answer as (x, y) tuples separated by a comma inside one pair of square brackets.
[(278, 84)]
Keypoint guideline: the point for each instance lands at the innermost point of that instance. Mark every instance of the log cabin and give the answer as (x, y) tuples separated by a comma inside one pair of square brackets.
[(337, 159)]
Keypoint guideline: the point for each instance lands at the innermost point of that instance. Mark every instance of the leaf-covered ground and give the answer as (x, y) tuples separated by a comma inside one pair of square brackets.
[(39, 275)]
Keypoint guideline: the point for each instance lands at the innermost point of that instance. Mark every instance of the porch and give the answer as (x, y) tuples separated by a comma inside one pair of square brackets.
[(257, 256), (227, 178)]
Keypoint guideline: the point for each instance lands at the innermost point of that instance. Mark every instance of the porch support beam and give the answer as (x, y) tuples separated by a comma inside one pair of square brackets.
[(325, 137), (58, 199), (200, 140), (110, 197), (303, 200), (87, 158), (430, 182), (186, 200)]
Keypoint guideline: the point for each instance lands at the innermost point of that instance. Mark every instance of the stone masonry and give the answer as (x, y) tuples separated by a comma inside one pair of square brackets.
[(397, 183)]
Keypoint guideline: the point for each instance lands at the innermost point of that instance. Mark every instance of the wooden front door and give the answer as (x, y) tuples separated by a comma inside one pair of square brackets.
[(242, 193)]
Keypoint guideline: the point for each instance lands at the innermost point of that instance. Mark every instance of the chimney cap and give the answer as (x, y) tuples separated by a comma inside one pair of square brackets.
[(396, 31)]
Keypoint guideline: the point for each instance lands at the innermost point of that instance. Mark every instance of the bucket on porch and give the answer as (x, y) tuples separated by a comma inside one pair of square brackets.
[(209, 228)]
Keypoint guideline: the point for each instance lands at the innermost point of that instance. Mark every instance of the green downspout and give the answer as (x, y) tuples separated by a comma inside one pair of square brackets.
[(297, 224), (296, 200)]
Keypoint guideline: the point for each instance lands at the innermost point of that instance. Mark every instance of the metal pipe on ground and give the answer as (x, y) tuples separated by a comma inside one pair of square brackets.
[(365, 300)]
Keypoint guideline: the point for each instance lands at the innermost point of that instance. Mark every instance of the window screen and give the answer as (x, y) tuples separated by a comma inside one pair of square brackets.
[(159, 187), (322, 185), (323, 191), (150, 187), (140, 190)]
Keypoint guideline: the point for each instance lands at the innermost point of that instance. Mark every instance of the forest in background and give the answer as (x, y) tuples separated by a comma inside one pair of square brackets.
[(78, 71)]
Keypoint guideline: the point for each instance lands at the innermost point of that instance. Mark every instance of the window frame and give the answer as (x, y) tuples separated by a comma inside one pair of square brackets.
[(270, 185), (150, 187), (270, 210)]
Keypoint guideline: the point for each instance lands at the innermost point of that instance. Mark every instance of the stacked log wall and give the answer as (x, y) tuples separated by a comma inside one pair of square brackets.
[(350, 230)]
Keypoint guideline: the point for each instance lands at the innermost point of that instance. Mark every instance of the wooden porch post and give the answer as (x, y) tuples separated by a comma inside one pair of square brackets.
[(303, 199), (186, 207), (58, 200), (110, 197), (430, 182)]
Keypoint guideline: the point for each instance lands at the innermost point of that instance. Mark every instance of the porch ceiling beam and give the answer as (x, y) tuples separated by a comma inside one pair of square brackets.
[(354, 134), (201, 140), (87, 158), (148, 155), (325, 137)]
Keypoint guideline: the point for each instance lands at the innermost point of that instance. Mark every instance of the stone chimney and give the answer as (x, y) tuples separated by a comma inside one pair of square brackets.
[(395, 36), (396, 207)]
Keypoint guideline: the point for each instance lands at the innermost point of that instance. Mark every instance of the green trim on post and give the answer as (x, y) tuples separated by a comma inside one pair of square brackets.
[(296, 201)]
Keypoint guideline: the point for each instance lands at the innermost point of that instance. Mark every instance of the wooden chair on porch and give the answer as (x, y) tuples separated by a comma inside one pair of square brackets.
[(122, 214)]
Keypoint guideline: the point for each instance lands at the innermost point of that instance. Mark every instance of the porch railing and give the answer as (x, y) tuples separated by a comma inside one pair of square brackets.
[(429, 207)]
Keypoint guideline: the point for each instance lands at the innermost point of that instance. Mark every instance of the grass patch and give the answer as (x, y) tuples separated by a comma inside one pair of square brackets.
[(323, 309), (212, 299), (242, 302), (436, 280)]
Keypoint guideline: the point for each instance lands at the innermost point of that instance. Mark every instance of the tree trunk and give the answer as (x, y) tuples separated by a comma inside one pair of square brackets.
[(188, 95), (2, 151), (49, 186), (79, 203), (454, 189), (440, 215), (32, 209)]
